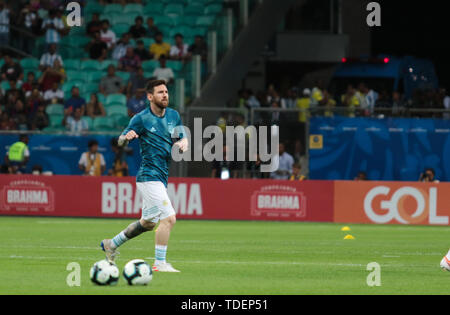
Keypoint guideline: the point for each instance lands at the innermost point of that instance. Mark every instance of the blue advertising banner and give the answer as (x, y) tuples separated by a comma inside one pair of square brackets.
[(60, 153), (385, 149)]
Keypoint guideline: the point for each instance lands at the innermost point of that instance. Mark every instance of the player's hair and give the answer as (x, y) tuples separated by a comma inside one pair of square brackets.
[(150, 88), (91, 143)]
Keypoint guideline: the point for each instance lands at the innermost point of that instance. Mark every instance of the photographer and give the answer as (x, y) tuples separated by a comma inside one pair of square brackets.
[(428, 176)]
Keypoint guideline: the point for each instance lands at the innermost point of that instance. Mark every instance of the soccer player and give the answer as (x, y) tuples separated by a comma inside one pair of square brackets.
[(155, 127), (445, 263)]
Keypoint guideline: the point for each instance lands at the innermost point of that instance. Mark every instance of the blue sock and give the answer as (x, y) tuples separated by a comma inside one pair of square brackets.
[(160, 254)]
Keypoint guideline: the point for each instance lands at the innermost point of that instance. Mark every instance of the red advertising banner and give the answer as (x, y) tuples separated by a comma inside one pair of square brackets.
[(192, 198), (392, 203)]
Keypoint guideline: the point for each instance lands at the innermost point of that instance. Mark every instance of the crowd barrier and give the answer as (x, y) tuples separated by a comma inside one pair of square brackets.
[(213, 199)]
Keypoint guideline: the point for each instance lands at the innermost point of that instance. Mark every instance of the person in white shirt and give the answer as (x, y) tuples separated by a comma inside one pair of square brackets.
[(54, 95), (286, 162), (179, 51), (107, 35), (49, 58), (54, 28), (4, 25), (74, 124), (163, 73)]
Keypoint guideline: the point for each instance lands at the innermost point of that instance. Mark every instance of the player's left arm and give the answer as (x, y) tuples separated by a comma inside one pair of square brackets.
[(183, 143)]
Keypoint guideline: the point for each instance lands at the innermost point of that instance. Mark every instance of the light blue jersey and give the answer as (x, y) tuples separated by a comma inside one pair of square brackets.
[(155, 138)]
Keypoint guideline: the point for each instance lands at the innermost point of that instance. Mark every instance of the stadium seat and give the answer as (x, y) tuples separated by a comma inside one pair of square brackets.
[(134, 8), (120, 28), (162, 21), (90, 88), (76, 76), (116, 99), (110, 16), (153, 8), (200, 31), (90, 65), (189, 20), (105, 64), (55, 109), (94, 76), (121, 121), (116, 110), (124, 75), (77, 41), (93, 7), (175, 65), (72, 64), (213, 9), (103, 124), (194, 9), (125, 18), (174, 8), (183, 2), (150, 65), (77, 31), (205, 21), (110, 8), (56, 120), (29, 63)]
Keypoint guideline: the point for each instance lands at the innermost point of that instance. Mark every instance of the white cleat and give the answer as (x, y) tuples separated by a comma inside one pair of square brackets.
[(445, 264), (164, 267), (109, 251)]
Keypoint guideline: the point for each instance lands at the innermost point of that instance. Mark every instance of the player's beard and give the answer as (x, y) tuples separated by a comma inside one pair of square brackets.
[(163, 104)]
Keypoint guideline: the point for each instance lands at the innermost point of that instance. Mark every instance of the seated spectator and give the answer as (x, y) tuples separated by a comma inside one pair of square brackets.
[(137, 81), (55, 95), (137, 103), (428, 176), (95, 108), (40, 118), (142, 52), (30, 84), (54, 27), (163, 73), (48, 59), (34, 100), (199, 47), (92, 163), (329, 103), (137, 30), (296, 173), (107, 35), (152, 30), (52, 75), (286, 162), (19, 114), (6, 123), (98, 49), (159, 47), (11, 70), (74, 102), (121, 48), (120, 166), (130, 62), (74, 124), (111, 83), (14, 93), (30, 19), (94, 25), (350, 100), (179, 51)]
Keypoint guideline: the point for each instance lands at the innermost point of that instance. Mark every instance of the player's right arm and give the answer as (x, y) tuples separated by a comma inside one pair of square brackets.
[(131, 132)]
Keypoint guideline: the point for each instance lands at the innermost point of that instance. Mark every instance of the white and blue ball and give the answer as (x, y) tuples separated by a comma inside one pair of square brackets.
[(137, 272), (104, 273)]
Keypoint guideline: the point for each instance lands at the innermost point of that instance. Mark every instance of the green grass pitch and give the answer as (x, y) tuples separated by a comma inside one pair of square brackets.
[(243, 258)]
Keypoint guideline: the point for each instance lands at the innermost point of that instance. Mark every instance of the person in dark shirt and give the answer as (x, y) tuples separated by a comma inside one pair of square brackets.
[(94, 25), (11, 70), (142, 52), (74, 102), (97, 48), (198, 48), (137, 30), (152, 29)]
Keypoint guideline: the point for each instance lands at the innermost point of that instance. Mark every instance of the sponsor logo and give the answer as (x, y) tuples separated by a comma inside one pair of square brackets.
[(27, 196), (407, 205), (124, 198), (278, 201)]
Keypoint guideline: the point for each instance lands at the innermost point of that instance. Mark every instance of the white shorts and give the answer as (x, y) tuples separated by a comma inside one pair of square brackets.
[(156, 204)]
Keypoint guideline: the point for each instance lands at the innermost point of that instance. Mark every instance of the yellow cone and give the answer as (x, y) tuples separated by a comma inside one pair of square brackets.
[(349, 237), (345, 229)]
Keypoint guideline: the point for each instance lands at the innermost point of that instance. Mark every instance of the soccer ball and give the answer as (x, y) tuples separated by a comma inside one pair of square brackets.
[(104, 273), (137, 272)]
